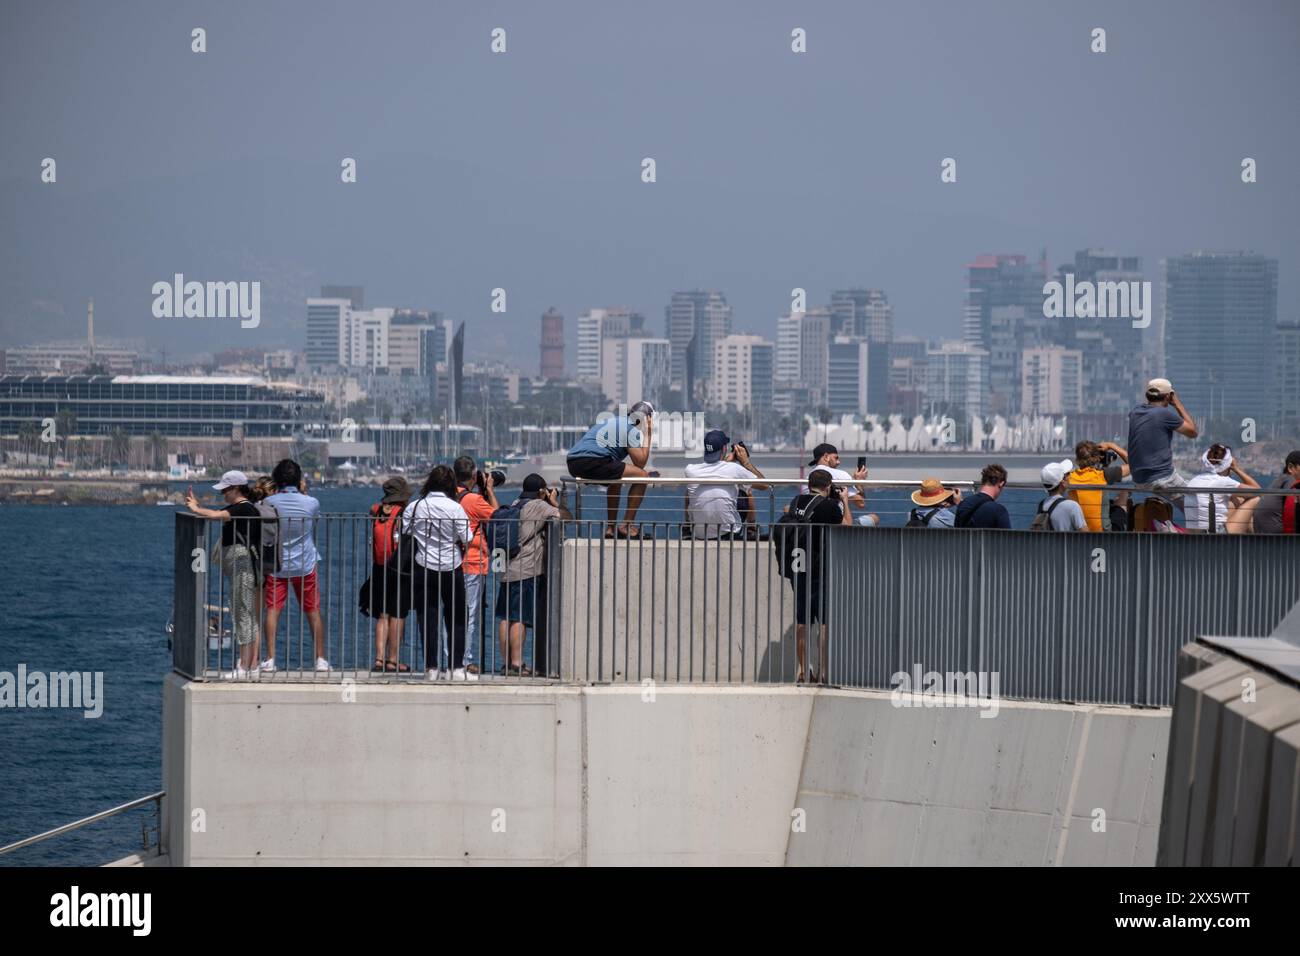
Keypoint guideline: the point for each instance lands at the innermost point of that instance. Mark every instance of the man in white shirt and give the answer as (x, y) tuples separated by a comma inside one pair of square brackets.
[(826, 457), (713, 508), (1218, 470)]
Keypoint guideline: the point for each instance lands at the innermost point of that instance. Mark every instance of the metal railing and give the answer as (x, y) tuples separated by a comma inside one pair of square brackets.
[(154, 798), (1093, 616)]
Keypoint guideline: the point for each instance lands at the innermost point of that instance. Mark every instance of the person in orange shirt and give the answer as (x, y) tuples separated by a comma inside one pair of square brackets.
[(475, 494), (1093, 466)]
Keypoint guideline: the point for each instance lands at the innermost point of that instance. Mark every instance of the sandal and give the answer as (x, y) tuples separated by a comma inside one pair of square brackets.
[(525, 671), (397, 667), (378, 667), (628, 532)]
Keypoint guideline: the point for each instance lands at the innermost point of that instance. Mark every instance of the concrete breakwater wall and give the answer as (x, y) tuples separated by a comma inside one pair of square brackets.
[(57, 491), (353, 773)]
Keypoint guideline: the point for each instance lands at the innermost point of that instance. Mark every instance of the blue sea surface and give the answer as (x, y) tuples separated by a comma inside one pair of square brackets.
[(90, 589)]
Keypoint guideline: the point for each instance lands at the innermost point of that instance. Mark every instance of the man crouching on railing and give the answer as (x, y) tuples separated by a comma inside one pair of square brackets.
[(599, 456), (822, 504)]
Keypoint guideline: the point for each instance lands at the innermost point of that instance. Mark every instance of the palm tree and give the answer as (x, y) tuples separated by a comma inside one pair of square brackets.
[(65, 423), (119, 449), (158, 448), (28, 436)]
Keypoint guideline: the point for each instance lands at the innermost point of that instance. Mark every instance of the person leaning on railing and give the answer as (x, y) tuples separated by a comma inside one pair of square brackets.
[(241, 549), (521, 594), (1277, 514), (439, 528)]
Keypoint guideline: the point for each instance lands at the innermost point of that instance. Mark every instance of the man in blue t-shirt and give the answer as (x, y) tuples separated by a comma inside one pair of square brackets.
[(982, 510), (602, 453), (1151, 429), (299, 514)]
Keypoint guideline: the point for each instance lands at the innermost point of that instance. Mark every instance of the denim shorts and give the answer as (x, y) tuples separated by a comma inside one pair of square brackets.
[(516, 601)]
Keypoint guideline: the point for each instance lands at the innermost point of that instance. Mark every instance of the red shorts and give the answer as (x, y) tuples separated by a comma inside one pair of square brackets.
[(304, 589)]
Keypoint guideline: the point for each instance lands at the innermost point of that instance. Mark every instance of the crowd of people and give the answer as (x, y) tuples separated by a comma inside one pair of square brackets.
[(431, 552), (434, 548), (1095, 491)]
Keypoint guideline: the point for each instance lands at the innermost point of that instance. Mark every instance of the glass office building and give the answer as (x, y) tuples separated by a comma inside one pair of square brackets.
[(175, 406)]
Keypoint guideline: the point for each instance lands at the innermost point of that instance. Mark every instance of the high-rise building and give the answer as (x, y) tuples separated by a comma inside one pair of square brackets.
[(956, 377), (635, 368), (802, 338), (327, 323), (597, 325), (1014, 285), (863, 313), (742, 373), (1115, 365), (366, 341), (1051, 381), (552, 359), (848, 375), (699, 317), (408, 331), (1287, 373), (1220, 333)]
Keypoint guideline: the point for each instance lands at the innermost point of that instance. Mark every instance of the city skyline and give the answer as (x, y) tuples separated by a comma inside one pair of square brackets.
[(451, 200)]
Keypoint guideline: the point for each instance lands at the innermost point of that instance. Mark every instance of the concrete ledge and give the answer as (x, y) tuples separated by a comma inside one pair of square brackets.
[(468, 774)]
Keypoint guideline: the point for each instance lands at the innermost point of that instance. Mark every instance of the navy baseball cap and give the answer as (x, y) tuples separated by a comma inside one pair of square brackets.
[(715, 443)]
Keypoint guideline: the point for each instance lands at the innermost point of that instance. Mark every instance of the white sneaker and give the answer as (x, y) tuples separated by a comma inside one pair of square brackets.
[(458, 674), (268, 666), (238, 673), (432, 676), (471, 675), (322, 664)]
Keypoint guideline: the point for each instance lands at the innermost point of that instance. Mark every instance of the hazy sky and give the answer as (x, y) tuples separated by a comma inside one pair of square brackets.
[(522, 170)]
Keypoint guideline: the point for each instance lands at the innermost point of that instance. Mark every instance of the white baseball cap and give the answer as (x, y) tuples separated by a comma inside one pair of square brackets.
[(1161, 386), (1055, 473), (230, 479)]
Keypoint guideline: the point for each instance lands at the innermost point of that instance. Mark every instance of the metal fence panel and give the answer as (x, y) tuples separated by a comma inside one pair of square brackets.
[(1092, 618)]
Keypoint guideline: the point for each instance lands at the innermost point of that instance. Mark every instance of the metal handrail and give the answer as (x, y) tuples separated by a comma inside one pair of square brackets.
[(155, 798), (915, 483)]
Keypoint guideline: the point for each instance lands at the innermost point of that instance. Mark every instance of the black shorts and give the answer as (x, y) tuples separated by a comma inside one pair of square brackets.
[(595, 469), (809, 599)]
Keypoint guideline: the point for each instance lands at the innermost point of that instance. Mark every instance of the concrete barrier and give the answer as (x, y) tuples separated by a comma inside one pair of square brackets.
[(333, 774), (1233, 783)]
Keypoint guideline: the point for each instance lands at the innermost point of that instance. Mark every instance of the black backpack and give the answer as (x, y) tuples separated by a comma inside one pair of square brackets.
[(1043, 519), (914, 520), (790, 532)]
